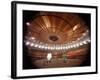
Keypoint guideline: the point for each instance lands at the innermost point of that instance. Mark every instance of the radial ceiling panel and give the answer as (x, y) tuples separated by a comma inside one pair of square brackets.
[(56, 28)]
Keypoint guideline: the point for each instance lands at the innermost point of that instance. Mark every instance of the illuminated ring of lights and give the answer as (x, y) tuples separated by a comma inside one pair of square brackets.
[(56, 47)]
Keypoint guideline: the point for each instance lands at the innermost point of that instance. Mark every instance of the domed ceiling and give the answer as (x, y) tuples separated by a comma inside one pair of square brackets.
[(56, 28), (56, 32)]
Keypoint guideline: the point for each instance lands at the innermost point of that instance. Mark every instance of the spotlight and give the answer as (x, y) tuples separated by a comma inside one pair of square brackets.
[(27, 43), (27, 23), (84, 42), (36, 45), (84, 34), (45, 47), (56, 47), (40, 46), (32, 44), (53, 48), (61, 47), (87, 31), (88, 40), (77, 45), (75, 27), (74, 46), (32, 38), (48, 47), (78, 39), (71, 46), (66, 47), (81, 43)]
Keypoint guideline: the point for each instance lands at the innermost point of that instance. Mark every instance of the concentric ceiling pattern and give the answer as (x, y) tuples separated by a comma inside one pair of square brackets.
[(56, 28)]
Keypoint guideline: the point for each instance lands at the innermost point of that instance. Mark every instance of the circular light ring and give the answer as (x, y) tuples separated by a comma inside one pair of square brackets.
[(56, 47)]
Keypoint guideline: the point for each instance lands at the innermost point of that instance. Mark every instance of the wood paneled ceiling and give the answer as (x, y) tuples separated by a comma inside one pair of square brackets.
[(56, 28)]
